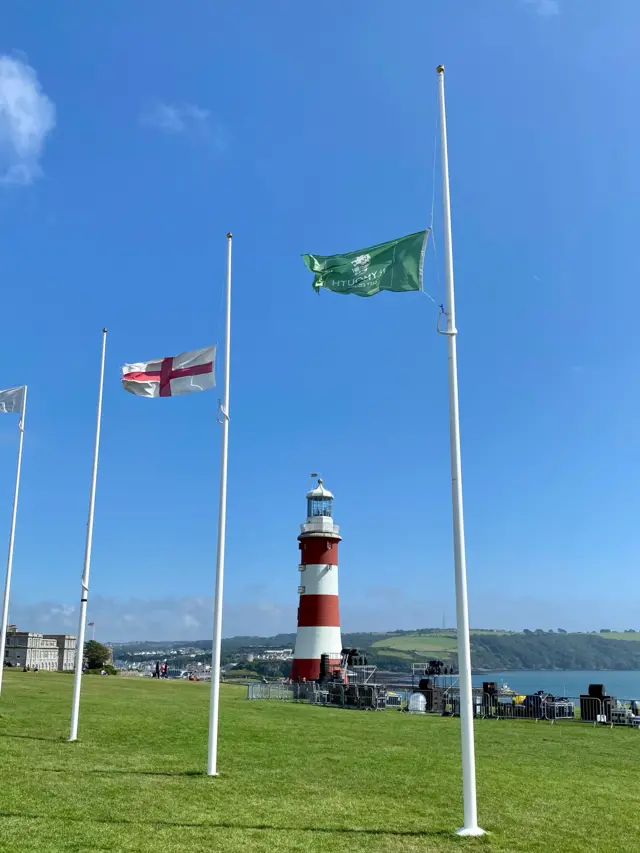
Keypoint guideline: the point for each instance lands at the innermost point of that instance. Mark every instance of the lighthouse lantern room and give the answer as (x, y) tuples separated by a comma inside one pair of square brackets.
[(318, 611)]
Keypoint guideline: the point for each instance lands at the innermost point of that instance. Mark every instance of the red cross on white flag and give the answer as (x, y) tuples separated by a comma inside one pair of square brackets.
[(167, 377)]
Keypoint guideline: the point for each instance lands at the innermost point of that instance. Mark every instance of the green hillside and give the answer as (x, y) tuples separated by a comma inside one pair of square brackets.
[(499, 650), (632, 636), (490, 650), (424, 644)]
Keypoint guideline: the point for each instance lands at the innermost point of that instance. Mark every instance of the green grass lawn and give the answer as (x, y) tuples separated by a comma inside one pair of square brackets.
[(294, 777), (620, 635), (424, 643), (394, 653)]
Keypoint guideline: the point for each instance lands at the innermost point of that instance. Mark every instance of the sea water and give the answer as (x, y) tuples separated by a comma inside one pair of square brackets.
[(624, 684)]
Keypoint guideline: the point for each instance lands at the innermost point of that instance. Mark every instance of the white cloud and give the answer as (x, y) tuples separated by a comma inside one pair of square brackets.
[(170, 618), (27, 116), (175, 119), (377, 609), (545, 8), (187, 120)]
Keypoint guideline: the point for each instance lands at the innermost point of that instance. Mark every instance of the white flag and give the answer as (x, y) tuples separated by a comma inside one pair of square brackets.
[(167, 377), (12, 400)]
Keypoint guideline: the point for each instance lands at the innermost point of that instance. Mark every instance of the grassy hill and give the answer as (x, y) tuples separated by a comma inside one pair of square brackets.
[(421, 644), (490, 650), (294, 777), (499, 650), (631, 636)]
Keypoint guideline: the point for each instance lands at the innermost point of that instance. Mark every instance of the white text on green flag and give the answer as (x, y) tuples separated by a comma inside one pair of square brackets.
[(12, 400)]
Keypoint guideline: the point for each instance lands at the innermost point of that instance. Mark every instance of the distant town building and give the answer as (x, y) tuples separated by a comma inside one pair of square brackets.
[(258, 653), (66, 651), (271, 655), (54, 652)]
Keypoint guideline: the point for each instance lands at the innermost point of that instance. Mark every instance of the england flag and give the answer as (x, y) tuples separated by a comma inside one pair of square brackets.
[(167, 377)]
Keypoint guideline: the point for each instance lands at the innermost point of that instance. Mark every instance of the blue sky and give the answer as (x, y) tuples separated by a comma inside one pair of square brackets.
[(132, 137)]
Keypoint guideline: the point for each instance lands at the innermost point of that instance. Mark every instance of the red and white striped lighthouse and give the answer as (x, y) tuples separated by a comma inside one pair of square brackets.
[(318, 612)]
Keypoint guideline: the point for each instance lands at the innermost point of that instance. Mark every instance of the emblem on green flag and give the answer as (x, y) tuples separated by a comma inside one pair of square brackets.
[(396, 266)]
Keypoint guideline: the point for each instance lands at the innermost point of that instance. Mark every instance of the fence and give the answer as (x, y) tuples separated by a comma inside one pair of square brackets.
[(446, 702), (359, 696), (544, 707), (259, 690), (539, 707)]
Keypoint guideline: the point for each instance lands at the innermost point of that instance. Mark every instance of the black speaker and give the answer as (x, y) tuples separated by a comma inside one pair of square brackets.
[(597, 691), (534, 705), (490, 687), (425, 684), (608, 702), (438, 699), (324, 668)]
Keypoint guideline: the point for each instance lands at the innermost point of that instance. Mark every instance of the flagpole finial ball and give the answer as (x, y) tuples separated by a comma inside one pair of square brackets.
[(229, 235), (104, 331), (440, 69)]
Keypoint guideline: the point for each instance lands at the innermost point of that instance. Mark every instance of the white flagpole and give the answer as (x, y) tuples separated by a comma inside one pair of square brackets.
[(84, 590), (470, 827), (212, 759), (12, 537)]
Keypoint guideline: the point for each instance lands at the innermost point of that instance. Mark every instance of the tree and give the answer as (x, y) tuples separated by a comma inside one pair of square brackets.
[(561, 631), (605, 630), (96, 655)]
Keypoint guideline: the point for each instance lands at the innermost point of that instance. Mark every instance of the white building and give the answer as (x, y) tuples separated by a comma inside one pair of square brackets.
[(66, 650), (271, 655), (46, 651)]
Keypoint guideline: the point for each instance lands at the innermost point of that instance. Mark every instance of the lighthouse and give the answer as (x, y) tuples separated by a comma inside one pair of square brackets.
[(318, 612)]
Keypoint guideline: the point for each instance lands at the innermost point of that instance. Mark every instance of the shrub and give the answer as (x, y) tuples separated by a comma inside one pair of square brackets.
[(110, 670)]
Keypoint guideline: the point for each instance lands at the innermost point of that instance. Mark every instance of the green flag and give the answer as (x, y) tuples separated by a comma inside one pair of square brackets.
[(396, 266)]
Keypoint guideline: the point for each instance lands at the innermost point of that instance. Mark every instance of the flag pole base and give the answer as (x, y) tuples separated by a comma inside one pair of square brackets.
[(470, 832)]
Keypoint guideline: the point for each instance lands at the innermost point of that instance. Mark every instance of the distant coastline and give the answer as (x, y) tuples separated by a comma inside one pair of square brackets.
[(397, 651), (556, 669)]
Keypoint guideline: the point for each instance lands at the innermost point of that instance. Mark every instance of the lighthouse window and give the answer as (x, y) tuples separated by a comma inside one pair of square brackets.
[(319, 507)]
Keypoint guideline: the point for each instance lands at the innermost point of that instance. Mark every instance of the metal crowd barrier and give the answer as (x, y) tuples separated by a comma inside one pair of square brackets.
[(501, 707), (357, 696), (260, 690), (585, 709), (537, 707), (395, 699)]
